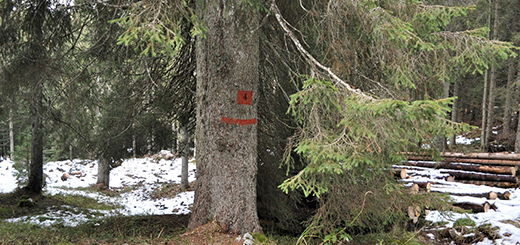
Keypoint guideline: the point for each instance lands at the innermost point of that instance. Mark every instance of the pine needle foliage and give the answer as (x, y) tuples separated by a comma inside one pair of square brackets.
[(344, 134), (398, 53)]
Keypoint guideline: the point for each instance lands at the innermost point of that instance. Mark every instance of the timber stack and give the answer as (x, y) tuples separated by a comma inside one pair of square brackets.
[(493, 169)]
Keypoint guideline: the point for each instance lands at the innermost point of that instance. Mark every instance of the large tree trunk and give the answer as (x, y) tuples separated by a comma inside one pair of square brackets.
[(185, 156), (36, 165), (227, 81)]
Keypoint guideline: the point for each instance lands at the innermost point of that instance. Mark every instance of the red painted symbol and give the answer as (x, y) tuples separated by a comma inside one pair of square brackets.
[(238, 121), (244, 97)]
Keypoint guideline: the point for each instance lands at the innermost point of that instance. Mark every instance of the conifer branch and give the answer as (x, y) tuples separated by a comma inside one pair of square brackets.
[(313, 62)]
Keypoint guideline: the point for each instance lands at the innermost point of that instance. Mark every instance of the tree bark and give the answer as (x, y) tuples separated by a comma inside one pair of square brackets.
[(35, 184), (455, 111), (11, 135), (466, 167), (489, 195), (227, 86), (473, 160), (476, 155), (483, 127), (464, 175), (185, 156), (175, 141), (490, 183), (517, 141), (134, 142), (475, 207), (103, 177), (506, 131), (492, 82)]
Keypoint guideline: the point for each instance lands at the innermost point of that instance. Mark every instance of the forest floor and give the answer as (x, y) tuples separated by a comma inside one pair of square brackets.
[(146, 206)]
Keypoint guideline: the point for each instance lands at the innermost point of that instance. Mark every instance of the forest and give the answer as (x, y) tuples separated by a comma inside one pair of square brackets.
[(294, 113)]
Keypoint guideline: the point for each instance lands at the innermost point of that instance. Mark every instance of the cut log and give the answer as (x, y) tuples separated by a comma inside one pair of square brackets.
[(490, 195), (465, 166), (414, 189), (416, 186), (427, 186), (464, 175), (498, 155), (504, 196), (414, 213), (490, 183), (475, 207), (476, 155), (469, 160), (399, 173), (484, 161)]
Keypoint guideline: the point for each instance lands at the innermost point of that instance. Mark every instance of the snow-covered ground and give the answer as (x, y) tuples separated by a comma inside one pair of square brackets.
[(143, 175), (136, 179), (506, 216)]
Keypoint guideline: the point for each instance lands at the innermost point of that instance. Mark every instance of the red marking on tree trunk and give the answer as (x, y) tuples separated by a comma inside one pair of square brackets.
[(244, 97), (238, 121)]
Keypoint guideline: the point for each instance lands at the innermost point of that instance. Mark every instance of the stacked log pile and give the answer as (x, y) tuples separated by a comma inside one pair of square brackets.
[(493, 169)]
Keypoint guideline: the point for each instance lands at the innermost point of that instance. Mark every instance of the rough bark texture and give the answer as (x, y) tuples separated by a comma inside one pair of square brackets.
[(103, 177), (227, 62), (185, 156), (36, 66), (471, 160), (466, 166), (36, 166), (463, 175)]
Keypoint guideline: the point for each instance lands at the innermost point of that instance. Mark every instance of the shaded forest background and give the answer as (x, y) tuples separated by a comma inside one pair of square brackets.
[(79, 84)]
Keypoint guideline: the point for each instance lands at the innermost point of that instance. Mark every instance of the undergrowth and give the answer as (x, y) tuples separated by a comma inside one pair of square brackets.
[(133, 229)]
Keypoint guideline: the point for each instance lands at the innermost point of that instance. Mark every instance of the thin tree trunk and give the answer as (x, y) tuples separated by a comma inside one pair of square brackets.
[(483, 127), (11, 134), (35, 184), (134, 142), (185, 156), (509, 96), (492, 82), (227, 86), (455, 111), (175, 138), (441, 139), (517, 140)]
